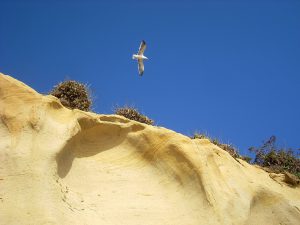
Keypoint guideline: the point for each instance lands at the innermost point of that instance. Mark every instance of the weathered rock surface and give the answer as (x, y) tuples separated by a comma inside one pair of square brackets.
[(61, 166)]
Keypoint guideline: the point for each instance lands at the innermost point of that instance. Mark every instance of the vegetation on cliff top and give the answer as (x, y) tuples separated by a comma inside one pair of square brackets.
[(227, 147), (133, 114), (276, 159), (76, 95), (73, 94), (270, 157)]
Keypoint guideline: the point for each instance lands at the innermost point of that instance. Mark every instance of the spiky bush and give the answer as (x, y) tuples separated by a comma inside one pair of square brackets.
[(278, 160), (133, 114), (73, 94)]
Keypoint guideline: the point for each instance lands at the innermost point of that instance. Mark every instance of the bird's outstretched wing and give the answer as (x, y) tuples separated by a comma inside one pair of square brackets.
[(141, 66), (142, 47)]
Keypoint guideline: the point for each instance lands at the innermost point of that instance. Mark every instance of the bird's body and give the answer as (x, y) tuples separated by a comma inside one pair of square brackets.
[(140, 57), (134, 56)]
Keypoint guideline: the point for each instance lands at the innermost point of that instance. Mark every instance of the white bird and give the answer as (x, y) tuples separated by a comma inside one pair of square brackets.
[(140, 57)]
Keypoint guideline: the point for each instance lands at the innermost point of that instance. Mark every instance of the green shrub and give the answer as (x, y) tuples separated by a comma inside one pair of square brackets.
[(133, 114), (73, 94), (276, 159)]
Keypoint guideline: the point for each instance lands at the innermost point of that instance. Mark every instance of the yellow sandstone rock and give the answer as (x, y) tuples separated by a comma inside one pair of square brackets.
[(62, 166)]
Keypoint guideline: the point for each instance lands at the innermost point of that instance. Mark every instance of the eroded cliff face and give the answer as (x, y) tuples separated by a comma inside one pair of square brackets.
[(61, 166)]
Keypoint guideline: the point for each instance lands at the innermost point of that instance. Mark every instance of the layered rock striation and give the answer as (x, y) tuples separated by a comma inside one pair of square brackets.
[(62, 166)]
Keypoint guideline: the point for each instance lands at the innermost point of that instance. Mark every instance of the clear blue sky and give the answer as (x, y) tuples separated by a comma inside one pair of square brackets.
[(227, 68)]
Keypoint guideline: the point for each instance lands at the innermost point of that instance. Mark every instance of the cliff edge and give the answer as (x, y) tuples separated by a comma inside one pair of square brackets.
[(62, 166)]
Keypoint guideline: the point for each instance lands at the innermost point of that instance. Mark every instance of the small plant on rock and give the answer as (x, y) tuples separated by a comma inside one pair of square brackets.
[(133, 114), (276, 159), (198, 135), (226, 147), (73, 94)]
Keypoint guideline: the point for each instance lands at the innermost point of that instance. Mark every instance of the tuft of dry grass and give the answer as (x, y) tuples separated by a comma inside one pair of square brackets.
[(226, 147), (73, 95), (197, 135), (133, 114)]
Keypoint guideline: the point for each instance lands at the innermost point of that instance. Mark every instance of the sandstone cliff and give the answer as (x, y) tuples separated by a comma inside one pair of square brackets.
[(61, 166)]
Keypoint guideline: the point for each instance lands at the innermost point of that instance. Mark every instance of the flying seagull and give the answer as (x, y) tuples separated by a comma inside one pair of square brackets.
[(140, 57)]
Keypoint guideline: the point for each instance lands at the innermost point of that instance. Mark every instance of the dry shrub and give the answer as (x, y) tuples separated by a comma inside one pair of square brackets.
[(226, 147), (197, 135), (278, 160), (73, 94), (133, 114)]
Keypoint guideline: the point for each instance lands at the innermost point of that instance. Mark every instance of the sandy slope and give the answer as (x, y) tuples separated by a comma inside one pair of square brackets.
[(61, 166)]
